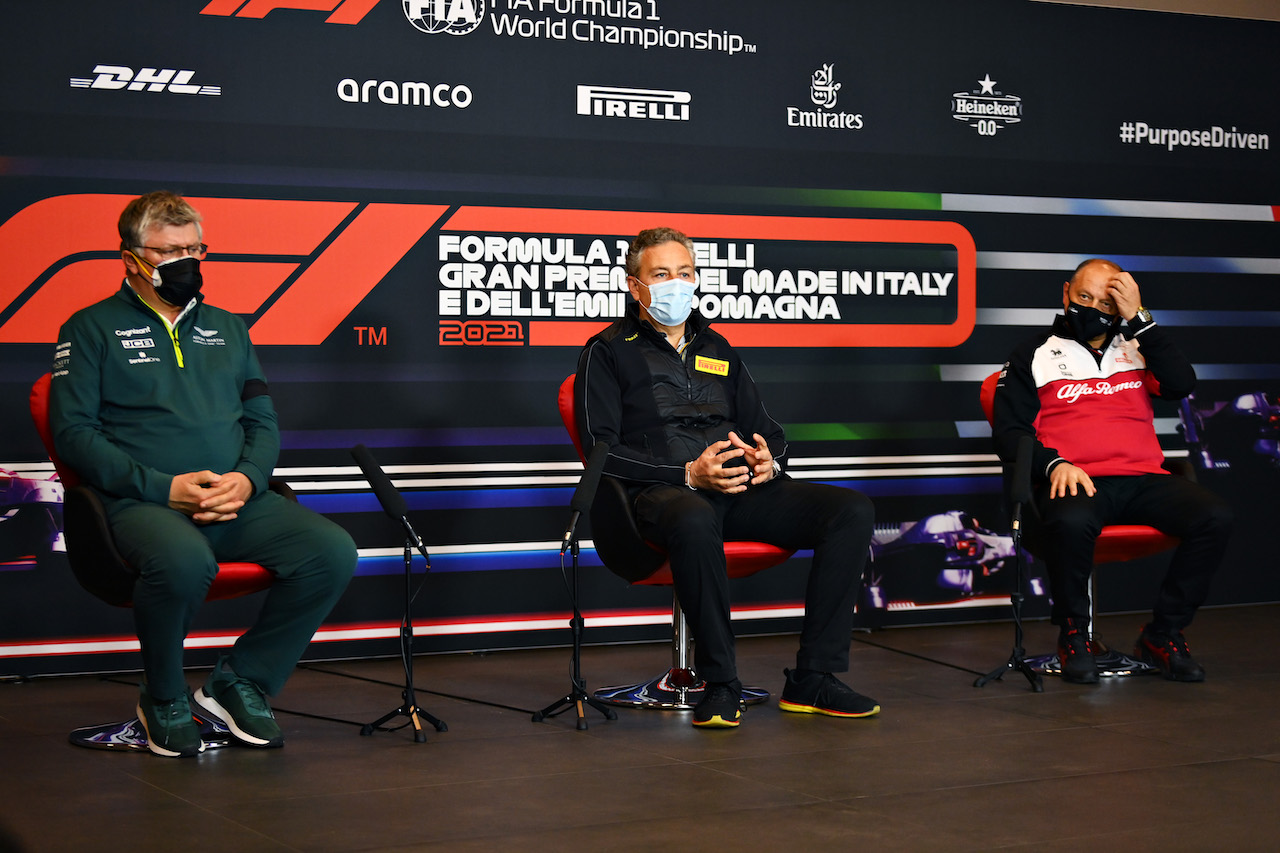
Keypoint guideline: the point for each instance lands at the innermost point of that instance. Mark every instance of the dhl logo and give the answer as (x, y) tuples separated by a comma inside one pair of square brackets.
[(342, 11), (307, 263)]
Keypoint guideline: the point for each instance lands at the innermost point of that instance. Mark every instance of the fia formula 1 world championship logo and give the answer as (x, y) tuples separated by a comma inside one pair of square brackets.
[(455, 17)]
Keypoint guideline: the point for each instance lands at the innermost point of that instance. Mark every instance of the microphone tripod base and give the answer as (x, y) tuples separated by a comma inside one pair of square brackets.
[(1016, 663), (415, 714), (575, 700)]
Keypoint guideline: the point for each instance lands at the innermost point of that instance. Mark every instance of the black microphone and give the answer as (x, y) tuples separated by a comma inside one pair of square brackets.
[(392, 501), (586, 491), (1020, 488)]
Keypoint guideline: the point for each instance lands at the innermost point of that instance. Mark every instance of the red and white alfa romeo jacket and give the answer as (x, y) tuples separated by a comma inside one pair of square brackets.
[(1092, 409)]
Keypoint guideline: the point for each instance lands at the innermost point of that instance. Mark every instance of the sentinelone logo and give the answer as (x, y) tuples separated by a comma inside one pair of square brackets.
[(824, 91), (172, 80), (617, 102), (986, 109)]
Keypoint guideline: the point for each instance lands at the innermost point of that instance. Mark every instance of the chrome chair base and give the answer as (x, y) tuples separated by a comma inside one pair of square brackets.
[(130, 736), (1111, 663), (674, 690)]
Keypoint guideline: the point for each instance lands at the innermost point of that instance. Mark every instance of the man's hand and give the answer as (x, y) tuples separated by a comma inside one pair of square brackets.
[(708, 472), (1066, 478), (208, 497), (758, 457), (1124, 293)]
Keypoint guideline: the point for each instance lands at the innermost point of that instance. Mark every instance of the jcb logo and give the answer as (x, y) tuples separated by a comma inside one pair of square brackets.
[(343, 11), (269, 253), (150, 79)]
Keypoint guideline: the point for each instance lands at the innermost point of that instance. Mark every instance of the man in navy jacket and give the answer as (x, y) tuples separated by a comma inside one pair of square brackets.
[(703, 461)]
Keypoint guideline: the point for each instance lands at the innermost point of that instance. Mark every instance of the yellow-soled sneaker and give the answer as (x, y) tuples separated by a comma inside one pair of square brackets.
[(810, 692), (720, 707)]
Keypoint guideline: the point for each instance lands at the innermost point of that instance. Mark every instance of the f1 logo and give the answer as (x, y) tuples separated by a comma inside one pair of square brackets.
[(318, 270), (344, 11)]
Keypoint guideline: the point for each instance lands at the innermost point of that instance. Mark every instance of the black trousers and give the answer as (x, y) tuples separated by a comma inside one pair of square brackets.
[(691, 526), (1065, 532)]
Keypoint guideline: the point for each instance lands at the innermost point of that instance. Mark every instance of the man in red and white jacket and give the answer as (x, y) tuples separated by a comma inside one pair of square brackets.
[(1083, 391)]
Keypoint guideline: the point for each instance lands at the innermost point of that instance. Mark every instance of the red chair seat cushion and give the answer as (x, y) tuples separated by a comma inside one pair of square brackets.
[(743, 560), (1120, 542), (236, 579)]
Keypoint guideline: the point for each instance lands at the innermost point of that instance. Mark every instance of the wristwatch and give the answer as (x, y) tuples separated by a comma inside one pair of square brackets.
[(1143, 315)]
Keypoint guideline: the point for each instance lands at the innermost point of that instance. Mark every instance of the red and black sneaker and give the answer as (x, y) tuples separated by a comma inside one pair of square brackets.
[(1169, 653), (1075, 656)]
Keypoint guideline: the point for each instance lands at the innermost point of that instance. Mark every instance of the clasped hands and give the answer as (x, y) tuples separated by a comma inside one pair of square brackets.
[(207, 497), (708, 471)]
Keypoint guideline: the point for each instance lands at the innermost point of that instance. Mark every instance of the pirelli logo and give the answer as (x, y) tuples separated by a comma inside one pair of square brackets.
[(617, 102), (702, 364)]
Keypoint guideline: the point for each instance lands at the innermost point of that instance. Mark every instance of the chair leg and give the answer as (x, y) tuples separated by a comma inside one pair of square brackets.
[(677, 689)]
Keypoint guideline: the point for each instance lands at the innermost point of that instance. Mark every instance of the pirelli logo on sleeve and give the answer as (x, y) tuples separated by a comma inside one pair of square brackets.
[(703, 364)]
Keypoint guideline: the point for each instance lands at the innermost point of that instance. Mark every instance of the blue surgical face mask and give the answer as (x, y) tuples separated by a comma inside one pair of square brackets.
[(670, 301)]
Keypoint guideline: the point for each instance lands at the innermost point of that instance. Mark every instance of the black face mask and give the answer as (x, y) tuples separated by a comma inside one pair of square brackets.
[(1087, 322), (178, 281)]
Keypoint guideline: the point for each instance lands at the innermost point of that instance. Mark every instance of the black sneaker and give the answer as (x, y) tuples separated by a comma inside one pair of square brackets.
[(241, 706), (1075, 656), (720, 707), (171, 730), (810, 692), (1168, 652)]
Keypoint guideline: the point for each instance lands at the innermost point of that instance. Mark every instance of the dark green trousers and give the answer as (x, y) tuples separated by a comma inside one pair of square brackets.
[(311, 558)]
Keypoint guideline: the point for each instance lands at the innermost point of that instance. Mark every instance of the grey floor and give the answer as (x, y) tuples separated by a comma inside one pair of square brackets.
[(1131, 764)]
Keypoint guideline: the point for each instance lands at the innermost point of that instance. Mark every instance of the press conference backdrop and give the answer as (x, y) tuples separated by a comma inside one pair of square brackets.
[(420, 208)]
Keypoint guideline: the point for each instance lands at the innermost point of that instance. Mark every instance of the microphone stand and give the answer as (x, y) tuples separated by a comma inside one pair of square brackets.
[(577, 687), (409, 708), (578, 694), (393, 503), (1018, 658)]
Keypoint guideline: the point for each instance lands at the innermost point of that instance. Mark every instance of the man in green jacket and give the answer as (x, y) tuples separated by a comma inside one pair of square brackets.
[(158, 402)]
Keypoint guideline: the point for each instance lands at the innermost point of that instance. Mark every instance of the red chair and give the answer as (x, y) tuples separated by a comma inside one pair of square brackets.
[(626, 553), (1117, 543), (104, 573)]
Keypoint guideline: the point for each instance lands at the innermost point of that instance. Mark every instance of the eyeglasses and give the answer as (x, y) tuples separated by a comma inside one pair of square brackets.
[(195, 250)]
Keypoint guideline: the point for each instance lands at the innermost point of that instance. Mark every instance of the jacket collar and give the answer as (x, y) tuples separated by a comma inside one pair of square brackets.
[(694, 326)]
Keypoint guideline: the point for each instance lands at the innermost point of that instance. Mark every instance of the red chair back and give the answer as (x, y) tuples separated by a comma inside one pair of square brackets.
[(633, 558), (565, 401), (96, 563), (39, 401)]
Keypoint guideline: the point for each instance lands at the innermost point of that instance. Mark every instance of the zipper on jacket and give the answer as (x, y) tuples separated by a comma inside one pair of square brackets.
[(177, 347)]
